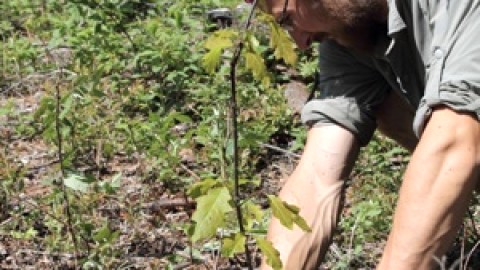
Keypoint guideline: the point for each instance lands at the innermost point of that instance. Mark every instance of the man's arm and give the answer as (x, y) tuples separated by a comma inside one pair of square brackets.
[(316, 187), (436, 191)]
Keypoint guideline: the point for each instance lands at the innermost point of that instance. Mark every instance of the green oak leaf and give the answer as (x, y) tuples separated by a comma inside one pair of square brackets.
[(76, 182), (211, 60), (280, 41), (233, 245), (216, 43), (255, 63), (200, 188), (287, 214), (221, 39), (210, 213), (252, 213), (272, 256)]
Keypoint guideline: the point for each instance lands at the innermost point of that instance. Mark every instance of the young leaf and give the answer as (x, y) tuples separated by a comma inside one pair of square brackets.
[(200, 188), (212, 59), (221, 39), (116, 180), (253, 213), (67, 106), (210, 212), (280, 42), (255, 63), (189, 229), (216, 43), (283, 45), (233, 245), (74, 181), (253, 42), (105, 235), (272, 256), (287, 214)]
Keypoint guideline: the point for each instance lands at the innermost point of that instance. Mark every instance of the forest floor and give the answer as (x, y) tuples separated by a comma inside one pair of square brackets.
[(149, 215), (115, 99)]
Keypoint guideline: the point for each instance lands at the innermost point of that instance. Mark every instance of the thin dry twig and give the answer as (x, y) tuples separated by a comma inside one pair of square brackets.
[(470, 254), (440, 262), (281, 150), (155, 206), (336, 250), (182, 265), (35, 168), (352, 237), (192, 173), (47, 253)]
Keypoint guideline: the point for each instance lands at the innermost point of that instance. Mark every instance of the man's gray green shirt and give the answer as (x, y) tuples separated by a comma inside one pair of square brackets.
[(431, 57)]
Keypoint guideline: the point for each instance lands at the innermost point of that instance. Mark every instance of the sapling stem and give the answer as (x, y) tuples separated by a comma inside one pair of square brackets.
[(234, 113)]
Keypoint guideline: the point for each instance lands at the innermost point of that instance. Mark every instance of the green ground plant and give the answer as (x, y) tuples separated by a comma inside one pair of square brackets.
[(119, 78), (128, 103)]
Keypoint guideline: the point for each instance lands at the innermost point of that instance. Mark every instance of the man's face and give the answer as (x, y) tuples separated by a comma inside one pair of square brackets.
[(355, 24)]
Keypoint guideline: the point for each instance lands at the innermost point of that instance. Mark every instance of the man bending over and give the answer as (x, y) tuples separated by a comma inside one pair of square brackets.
[(412, 69)]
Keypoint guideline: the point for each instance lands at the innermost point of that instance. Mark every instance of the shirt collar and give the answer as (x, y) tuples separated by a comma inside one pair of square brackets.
[(395, 21), (395, 25)]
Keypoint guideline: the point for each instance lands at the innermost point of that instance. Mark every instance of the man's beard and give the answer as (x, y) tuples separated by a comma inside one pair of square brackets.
[(361, 23)]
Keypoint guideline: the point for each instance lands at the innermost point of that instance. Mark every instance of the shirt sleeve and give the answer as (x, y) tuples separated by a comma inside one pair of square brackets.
[(453, 66), (350, 91)]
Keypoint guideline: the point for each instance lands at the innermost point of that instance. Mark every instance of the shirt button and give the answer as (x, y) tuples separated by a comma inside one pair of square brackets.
[(438, 53)]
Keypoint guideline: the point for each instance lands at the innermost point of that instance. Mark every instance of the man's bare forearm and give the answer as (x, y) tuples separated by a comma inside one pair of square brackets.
[(436, 191), (315, 187)]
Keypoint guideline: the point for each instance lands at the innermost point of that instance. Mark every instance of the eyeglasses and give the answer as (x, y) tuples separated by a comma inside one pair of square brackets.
[(284, 19)]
